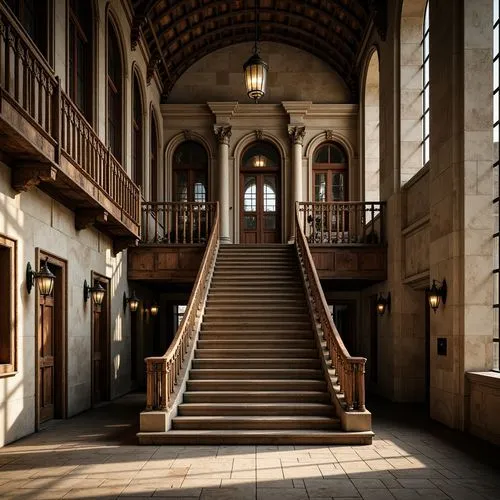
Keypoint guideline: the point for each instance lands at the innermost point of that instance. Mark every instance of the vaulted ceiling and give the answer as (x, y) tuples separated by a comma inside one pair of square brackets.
[(179, 33)]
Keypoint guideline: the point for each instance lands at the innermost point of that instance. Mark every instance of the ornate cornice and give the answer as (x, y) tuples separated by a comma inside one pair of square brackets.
[(135, 33), (223, 133), (296, 134)]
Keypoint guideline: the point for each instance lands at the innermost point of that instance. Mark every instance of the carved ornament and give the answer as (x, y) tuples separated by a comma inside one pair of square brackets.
[(26, 177), (296, 134), (223, 133)]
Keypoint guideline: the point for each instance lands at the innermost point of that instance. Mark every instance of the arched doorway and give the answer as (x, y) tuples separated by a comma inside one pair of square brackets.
[(260, 205), (330, 171), (190, 169)]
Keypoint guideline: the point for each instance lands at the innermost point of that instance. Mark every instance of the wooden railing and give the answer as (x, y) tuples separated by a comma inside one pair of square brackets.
[(349, 370), (30, 84), (162, 373), (336, 223), (177, 222), (25, 77)]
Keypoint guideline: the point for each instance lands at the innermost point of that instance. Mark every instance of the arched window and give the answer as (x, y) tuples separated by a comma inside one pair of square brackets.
[(330, 172), (371, 117), (137, 136), (153, 159), (80, 55), (190, 169), (34, 16), (115, 93), (414, 126), (426, 88)]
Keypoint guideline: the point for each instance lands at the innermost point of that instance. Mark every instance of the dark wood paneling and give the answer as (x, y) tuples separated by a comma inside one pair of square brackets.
[(176, 262), (357, 262)]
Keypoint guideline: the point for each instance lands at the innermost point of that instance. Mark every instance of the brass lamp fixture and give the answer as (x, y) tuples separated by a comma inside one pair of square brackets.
[(438, 293), (132, 301), (383, 303), (255, 69), (98, 292), (154, 309), (45, 279)]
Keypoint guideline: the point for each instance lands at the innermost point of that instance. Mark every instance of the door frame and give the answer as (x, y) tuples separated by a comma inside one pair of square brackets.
[(60, 337), (94, 276), (259, 176)]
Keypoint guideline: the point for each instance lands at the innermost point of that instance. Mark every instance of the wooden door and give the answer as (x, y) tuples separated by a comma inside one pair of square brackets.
[(100, 347), (260, 208), (46, 358)]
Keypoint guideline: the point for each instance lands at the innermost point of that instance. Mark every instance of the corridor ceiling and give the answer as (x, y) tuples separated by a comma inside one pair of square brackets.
[(179, 33)]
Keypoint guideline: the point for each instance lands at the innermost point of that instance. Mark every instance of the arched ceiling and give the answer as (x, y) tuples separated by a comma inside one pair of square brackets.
[(179, 33)]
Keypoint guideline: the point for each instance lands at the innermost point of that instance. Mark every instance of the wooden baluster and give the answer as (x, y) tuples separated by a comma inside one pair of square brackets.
[(191, 227), (57, 119), (176, 209)]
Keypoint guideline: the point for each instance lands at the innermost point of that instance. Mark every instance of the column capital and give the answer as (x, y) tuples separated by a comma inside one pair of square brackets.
[(296, 134), (222, 133)]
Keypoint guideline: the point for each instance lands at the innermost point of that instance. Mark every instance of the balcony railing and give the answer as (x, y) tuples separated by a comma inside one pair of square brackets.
[(177, 222), (342, 223), (29, 84)]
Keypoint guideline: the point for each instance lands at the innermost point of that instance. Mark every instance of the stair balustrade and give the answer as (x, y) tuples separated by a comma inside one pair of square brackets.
[(163, 371), (342, 222), (177, 222), (350, 370), (28, 83)]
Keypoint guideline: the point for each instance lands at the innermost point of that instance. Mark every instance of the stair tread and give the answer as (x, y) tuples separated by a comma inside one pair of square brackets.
[(253, 418)]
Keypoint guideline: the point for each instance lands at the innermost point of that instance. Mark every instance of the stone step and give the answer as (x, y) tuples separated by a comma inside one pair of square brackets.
[(244, 372), (255, 437), (256, 344), (254, 409), (254, 396), (256, 335), (234, 324), (251, 384), (255, 295), (254, 422), (255, 353), (254, 305), (247, 317), (265, 363), (255, 301)]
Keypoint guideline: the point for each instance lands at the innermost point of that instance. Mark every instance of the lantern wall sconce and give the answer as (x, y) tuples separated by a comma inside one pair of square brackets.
[(98, 292), (154, 309), (383, 304), (437, 293), (45, 279), (132, 301)]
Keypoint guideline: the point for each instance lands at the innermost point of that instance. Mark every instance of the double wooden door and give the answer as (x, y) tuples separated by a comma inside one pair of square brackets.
[(260, 208)]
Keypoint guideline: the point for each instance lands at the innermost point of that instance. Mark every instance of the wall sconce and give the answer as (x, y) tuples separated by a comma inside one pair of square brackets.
[(154, 309), (132, 301), (437, 294), (45, 279), (383, 303), (98, 292)]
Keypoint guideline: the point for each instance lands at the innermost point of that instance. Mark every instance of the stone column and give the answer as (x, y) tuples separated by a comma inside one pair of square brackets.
[(223, 134), (296, 134)]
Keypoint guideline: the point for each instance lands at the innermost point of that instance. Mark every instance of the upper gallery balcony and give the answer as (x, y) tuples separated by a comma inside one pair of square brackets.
[(48, 143), (346, 240)]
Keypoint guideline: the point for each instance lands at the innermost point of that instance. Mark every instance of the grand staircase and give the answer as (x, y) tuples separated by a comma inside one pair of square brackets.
[(256, 376)]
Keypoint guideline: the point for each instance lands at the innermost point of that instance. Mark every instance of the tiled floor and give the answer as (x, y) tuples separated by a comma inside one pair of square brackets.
[(94, 455)]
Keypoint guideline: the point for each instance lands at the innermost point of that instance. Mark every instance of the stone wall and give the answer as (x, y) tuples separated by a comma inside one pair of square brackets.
[(294, 75)]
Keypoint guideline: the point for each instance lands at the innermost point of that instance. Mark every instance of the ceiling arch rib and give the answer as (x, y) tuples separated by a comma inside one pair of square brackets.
[(185, 31)]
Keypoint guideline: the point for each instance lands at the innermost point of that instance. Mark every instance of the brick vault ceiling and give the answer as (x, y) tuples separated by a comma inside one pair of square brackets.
[(179, 33)]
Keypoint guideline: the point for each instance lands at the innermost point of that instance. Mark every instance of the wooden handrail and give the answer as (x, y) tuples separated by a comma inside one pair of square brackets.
[(350, 370), (87, 152), (343, 222), (176, 222), (162, 372)]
